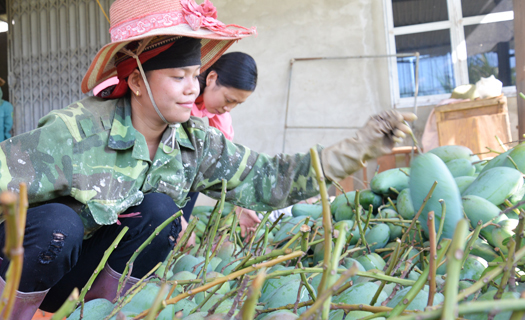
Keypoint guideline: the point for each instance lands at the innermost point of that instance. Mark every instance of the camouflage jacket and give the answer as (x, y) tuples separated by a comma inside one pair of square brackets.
[(91, 153)]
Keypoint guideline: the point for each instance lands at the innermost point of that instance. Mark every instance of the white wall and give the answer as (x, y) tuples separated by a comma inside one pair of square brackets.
[(328, 93), (335, 93)]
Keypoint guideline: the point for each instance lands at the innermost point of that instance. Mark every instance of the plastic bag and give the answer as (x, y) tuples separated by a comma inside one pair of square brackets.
[(489, 87)]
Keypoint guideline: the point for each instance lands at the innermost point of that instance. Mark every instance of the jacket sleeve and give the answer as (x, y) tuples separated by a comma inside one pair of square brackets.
[(254, 180), (41, 158)]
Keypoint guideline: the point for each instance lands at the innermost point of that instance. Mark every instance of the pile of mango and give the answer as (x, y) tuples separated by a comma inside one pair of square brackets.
[(442, 239)]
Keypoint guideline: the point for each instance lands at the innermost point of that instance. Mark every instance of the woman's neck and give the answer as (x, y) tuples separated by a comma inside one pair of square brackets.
[(151, 130)]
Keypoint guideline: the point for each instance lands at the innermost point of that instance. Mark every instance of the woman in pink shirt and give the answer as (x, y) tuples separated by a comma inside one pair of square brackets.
[(225, 85)]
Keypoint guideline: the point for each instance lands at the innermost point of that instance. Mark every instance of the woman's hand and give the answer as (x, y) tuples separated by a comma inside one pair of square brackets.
[(248, 221), (191, 240)]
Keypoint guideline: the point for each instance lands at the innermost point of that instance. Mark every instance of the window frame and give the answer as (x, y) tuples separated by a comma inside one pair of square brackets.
[(455, 24)]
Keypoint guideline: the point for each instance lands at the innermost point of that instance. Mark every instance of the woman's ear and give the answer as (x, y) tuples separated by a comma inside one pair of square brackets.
[(211, 78), (134, 81)]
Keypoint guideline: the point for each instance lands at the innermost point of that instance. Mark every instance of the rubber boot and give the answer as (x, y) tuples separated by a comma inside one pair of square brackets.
[(26, 303), (106, 285)]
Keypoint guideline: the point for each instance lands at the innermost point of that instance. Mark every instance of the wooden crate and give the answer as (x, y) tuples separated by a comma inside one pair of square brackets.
[(474, 124)]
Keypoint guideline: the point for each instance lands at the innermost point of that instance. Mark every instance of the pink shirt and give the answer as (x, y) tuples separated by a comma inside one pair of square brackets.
[(223, 122)]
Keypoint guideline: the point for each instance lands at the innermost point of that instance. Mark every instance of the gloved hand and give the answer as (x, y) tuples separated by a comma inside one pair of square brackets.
[(375, 139)]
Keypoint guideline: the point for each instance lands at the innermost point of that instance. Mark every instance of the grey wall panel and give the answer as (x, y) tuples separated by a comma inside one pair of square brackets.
[(51, 44)]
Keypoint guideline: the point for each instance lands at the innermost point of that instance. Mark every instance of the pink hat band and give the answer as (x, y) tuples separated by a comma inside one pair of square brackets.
[(196, 16)]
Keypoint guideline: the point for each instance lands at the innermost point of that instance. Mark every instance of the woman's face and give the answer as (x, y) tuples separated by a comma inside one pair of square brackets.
[(220, 99), (174, 91)]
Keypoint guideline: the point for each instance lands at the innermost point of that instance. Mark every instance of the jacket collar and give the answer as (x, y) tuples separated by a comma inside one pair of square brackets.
[(123, 135)]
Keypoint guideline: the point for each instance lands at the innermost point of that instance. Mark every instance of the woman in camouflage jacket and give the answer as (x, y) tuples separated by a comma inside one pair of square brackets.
[(131, 159)]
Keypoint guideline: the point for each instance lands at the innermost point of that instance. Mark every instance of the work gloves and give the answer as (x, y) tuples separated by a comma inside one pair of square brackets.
[(375, 139)]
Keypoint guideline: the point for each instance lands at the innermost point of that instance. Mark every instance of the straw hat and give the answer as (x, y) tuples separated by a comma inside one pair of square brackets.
[(135, 20)]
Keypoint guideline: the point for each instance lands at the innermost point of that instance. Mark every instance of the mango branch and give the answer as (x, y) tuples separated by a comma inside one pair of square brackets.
[(416, 217), (129, 264), (339, 245), (221, 280), (308, 314), (433, 255), (391, 264), (68, 307), (327, 220), (248, 308), (454, 263), (156, 307), (469, 308), (180, 244), (14, 250), (420, 282)]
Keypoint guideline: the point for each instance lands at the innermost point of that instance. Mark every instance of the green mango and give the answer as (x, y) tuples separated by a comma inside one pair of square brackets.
[(482, 249), (196, 316), (380, 234), (372, 261), (228, 207), (361, 293), (517, 154), (349, 262), (200, 227), (93, 310), (419, 302), (393, 178), (464, 182), (344, 212), (144, 299), (185, 306), (460, 167), (505, 231), (296, 222), (226, 250), (348, 224), (287, 294), (426, 169), (404, 205), (366, 198), (479, 209), (202, 209), (313, 211), (473, 268), (224, 307), (396, 231), (186, 263), (279, 315), (449, 153), (271, 285), (336, 315), (496, 184)]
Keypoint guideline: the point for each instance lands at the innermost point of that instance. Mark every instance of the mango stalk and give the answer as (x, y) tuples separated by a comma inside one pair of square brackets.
[(327, 221), (420, 282), (454, 261), (68, 307), (321, 298), (156, 307), (129, 264), (14, 250), (432, 263), (248, 308), (211, 239), (229, 277)]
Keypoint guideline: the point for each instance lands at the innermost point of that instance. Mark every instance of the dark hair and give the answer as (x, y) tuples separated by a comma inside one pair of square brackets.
[(234, 70)]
